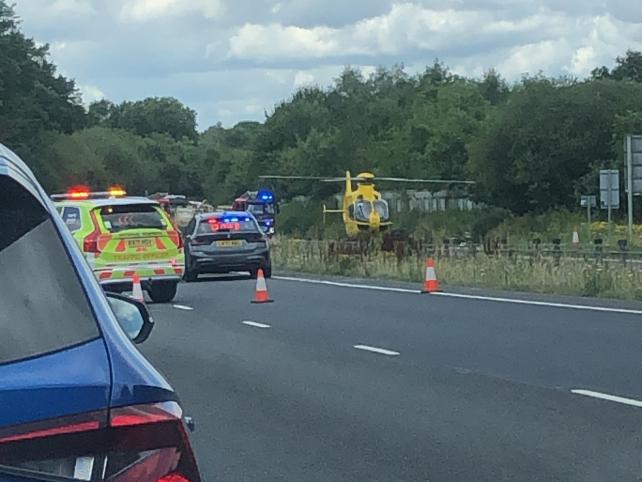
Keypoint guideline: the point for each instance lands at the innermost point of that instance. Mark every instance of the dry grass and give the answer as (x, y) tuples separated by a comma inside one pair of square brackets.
[(537, 274)]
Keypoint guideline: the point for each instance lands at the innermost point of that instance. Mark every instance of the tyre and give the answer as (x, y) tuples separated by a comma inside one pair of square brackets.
[(267, 270), (162, 291)]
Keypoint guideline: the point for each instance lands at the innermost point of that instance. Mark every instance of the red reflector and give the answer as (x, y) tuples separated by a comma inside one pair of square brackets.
[(174, 478), (50, 432), (105, 275)]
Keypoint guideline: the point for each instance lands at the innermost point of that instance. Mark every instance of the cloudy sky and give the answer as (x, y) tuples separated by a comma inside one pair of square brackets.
[(233, 60)]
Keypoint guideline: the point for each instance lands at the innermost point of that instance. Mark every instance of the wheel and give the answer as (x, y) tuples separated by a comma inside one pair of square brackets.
[(267, 270), (163, 291)]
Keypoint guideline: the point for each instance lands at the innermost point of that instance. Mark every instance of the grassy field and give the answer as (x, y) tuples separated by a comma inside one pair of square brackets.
[(520, 272)]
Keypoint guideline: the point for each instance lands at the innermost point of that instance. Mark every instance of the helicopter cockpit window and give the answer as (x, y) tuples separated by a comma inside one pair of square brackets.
[(362, 211), (381, 207)]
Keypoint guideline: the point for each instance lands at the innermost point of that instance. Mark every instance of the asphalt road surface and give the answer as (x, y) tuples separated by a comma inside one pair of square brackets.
[(334, 383)]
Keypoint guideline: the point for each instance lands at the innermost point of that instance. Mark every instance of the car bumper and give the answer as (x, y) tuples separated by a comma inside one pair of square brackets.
[(146, 272), (213, 263)]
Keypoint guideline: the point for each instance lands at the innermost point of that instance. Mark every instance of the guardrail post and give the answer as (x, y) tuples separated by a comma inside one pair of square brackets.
[(623, 244), (598, 249), (557, 251)]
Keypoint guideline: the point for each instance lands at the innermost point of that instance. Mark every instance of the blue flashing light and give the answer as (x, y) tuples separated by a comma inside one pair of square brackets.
[(265, 196)]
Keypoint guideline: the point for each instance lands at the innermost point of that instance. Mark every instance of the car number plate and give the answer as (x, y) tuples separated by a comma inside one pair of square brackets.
[(139, 243), (229, 243)]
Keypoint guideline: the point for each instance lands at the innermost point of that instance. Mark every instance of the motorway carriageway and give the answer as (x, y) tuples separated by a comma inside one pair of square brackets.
[(350, 381)]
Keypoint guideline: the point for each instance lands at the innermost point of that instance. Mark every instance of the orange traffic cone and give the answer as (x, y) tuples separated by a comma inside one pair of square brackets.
[(431, 285), (137, 289), (261, 294)]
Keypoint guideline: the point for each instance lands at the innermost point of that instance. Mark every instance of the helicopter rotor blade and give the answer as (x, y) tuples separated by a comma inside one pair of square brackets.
[(424, 181), (312, 178), (305, 178)]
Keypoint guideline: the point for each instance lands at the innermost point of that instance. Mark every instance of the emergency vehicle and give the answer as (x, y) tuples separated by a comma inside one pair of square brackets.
[(262, 205), (123, 236)]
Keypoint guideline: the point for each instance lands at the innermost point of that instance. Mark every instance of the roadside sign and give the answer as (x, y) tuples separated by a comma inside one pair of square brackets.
[(610, 188), (588, 201)]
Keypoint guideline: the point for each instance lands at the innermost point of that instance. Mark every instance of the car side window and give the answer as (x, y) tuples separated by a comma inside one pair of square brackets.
[(43, 307), (72, 218)]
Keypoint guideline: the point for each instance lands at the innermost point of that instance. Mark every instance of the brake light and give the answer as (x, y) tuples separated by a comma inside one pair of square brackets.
[(144, 443), (90, 243), (176, 238), (173, 478)]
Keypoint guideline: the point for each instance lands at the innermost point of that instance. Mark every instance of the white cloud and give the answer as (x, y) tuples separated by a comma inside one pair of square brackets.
[(90, 93), (274, 41), (583, 61), (302, 79), (531, 58), (405, 27), (149, 10), (231, 59)]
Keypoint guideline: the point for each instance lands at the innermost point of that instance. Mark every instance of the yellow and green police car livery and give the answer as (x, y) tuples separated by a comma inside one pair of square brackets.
[(126, 236)]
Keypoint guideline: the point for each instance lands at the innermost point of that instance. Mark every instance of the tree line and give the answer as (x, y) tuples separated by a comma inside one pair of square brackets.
[(531, 146)]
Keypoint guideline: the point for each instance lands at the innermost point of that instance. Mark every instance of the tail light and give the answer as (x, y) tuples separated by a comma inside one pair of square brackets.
[(176, 238), (145, 443), (90, 243)]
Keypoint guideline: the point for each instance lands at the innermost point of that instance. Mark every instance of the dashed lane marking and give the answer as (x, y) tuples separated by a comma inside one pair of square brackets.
[(374, 349), (255, 324)]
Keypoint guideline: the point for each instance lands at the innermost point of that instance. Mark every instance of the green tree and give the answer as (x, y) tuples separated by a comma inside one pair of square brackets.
[(33, 97), (154, 115)]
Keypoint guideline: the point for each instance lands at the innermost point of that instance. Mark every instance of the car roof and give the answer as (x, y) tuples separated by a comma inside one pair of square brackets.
[(120, 201)]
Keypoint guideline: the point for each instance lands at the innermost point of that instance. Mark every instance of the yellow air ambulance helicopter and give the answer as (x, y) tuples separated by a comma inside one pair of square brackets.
[(364, 210)]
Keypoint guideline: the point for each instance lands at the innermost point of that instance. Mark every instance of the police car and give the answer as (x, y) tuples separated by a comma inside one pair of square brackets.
[(123, 237), (221, 242)]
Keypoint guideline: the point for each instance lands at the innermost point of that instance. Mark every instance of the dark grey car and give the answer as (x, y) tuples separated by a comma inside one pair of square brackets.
[(222, 242)]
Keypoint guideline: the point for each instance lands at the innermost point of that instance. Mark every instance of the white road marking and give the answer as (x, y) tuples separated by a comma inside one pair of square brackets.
[(255, 324), (374, 349), (183, 307), (348, 285), (542, 303), (464, 296), (610, 398)]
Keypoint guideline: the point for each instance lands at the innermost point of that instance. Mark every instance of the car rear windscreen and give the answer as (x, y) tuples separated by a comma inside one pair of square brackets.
[(133, 216), (43, 307), (227, 225)]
